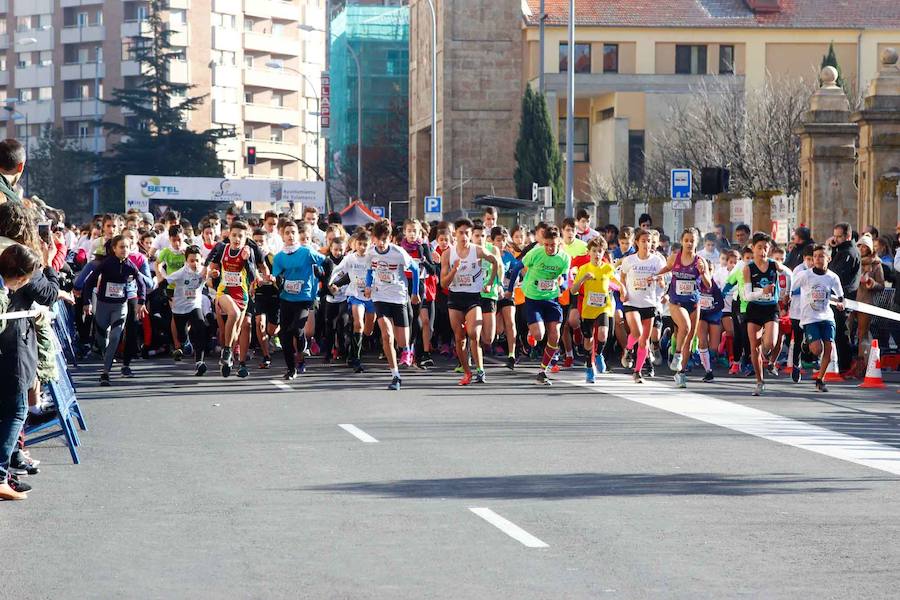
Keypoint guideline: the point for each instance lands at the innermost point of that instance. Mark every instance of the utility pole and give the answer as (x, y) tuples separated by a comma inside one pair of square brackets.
[(541, 50), (570, 120)]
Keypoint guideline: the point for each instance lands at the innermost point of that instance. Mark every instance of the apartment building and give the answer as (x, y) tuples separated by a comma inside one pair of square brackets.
[(258, 61), (633, 60)]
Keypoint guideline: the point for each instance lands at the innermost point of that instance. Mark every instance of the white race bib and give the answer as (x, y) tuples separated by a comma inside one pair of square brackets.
[(115, 290), (596, 299), (641, 284), (385, 276), (232, 278), (818, 299), (546, 285), (684, 287), (763, 295), (190, 294), (293, 286), (706, 302), (464, 280)]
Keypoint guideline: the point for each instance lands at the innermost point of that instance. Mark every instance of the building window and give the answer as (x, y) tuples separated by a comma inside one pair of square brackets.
[(25, 95), (177, 17), (277, 99), (726, 60), (582, 140), (248, 97), (636, 156), (610, 58), (276, 134), (248, 24), (277, 28), (45, 93), (248, 61), (81, 19), (690, 60), (83, 129), (248, 132), (277, 171), (582, 58), (46, 58)]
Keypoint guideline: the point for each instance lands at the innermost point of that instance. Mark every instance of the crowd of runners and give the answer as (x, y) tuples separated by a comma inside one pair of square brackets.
[(555, 296)]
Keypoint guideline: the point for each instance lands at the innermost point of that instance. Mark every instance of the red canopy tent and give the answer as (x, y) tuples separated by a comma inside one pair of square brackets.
[(357, 214)]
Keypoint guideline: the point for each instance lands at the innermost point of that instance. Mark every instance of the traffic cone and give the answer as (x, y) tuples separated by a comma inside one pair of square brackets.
[(873, 370), (833, 374)]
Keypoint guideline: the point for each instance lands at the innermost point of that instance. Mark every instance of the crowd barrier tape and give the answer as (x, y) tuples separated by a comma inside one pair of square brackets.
[(63, 390)]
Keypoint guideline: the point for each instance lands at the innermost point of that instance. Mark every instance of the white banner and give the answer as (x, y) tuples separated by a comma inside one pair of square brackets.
[(703, 216), (742, 211), (140, 189)]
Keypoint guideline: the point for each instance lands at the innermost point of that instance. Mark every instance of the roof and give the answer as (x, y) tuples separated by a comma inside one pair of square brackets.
[(794, 14), (357, 213)]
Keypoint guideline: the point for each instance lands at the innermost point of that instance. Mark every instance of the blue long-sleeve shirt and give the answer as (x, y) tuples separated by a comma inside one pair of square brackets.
[(114, 275)]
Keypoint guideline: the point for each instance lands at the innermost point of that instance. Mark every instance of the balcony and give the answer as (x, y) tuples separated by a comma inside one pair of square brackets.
[(179, 4), (44, 39), (595, 84), (226, 76), (279, 79), (226, 113), (86, 107), (67, 3), (37, 112), (87, 143), (4, 41), (73, 34), (33, 7), (179, 71), (258, 8), (263, 113), (229, 7), (133, 68), (180, 35), (226, 39), (4, 6), (275, 148), (285, 10), (131, 29), (34, 76), (264, 42), (78, 71), (4, 78)]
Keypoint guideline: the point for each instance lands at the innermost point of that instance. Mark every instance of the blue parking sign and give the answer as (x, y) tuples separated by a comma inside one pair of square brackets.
[(434, 205), (379, 211), (680, 188)]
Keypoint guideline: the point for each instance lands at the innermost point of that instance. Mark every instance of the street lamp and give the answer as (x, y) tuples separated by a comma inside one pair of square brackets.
[(95, 188), (434, 67), (570, 120), (273, 64), (15, 116), (358, 121)]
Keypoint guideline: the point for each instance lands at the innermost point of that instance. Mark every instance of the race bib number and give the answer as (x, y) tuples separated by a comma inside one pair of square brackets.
[(763, 295), (464, 280), (818, 298), (684, 287), (360, 284), (190, 294), (385, 276), (546, 285), (293, 286), (232, 278), (115, 290), (641, 284), (706, 302), (596, 299)]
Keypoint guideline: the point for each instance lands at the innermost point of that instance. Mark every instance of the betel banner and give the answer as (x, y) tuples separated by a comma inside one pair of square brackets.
[(141, 189)]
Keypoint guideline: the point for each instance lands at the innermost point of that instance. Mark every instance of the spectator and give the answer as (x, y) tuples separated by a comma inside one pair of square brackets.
[(846, 263), (801, 239), (722, 241), (645, 221), (870, 283), (12, 163), (741, 237)]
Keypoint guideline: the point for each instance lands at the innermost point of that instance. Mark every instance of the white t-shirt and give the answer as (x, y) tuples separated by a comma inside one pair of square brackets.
[(815, 292), (389, 278), (274, 242), (356, 267), (642, 292), (159, 242), (469, 276), (188, 293)]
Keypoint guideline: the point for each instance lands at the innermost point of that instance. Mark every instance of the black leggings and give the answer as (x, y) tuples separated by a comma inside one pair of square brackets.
[(133, 332), (336, 319), (197, 332), (741, 338), (293, 322)]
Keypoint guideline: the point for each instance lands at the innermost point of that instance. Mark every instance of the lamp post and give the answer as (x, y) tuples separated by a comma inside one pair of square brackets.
[(277, 65), (15, 116), (358, 121), (95, 188), (541, 50), (434, 68), (570, 121)]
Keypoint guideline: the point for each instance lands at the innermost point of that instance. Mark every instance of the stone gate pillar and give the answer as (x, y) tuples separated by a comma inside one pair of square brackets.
[(879, 147), (827, 160)]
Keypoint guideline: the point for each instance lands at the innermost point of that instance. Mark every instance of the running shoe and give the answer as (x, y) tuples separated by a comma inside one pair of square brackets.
[(301, 367), (480, 377), (637, 377), (759, 389), (226, 370), (820, 386), (795, 375), (426, 362), (18, 485), (649, 369), (314, 347), (104, 379), (358, 367), (708, 378), (242, 371), (21, 464), (625, 360), (542, 379), (394, 384), (466, 379), (676, 362), (773, 369), (554, 368), (177, 354), (735, 369), (681, 379), (655, 355), (459, 369), (722, 361), (568, 362), (589, 376), (406, 358), (600, 363), (127, 372), (290, 374), (225, 357), (747, 370), (511, 363), (201, 369), (265, 363)]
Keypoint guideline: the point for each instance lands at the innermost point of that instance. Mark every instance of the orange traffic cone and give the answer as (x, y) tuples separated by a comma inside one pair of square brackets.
[(833, 374), (873, 371)]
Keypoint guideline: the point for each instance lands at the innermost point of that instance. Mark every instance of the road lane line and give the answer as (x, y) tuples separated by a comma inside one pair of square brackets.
[(509, 528), (755, 422), (281, 384), (358, 433)]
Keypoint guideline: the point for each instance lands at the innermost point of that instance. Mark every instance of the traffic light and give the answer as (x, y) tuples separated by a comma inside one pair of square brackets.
[(251, 155)]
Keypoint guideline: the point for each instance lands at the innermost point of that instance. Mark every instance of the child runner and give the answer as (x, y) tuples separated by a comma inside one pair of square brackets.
[(709, 328), (490, 295), (386, 287), (795, 312), (761, 290), (352, 273), (506, 305), (187, 305), (592, 282), (816, 286), (463, 275), (168, 260), (642, 289), (265, 301)]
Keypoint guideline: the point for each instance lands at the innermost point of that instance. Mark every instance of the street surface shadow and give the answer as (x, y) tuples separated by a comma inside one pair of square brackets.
[(588, 485)]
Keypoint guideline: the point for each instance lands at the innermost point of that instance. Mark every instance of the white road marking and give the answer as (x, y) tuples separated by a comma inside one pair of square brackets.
[(358, 433), (281, 384), (754, 422), (509, 528)]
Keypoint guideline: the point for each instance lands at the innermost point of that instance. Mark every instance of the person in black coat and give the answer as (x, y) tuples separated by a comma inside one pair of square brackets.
[(802, 238), (847, 264)]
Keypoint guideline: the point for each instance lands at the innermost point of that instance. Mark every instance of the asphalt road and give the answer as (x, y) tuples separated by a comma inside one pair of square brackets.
[(211, 488)]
